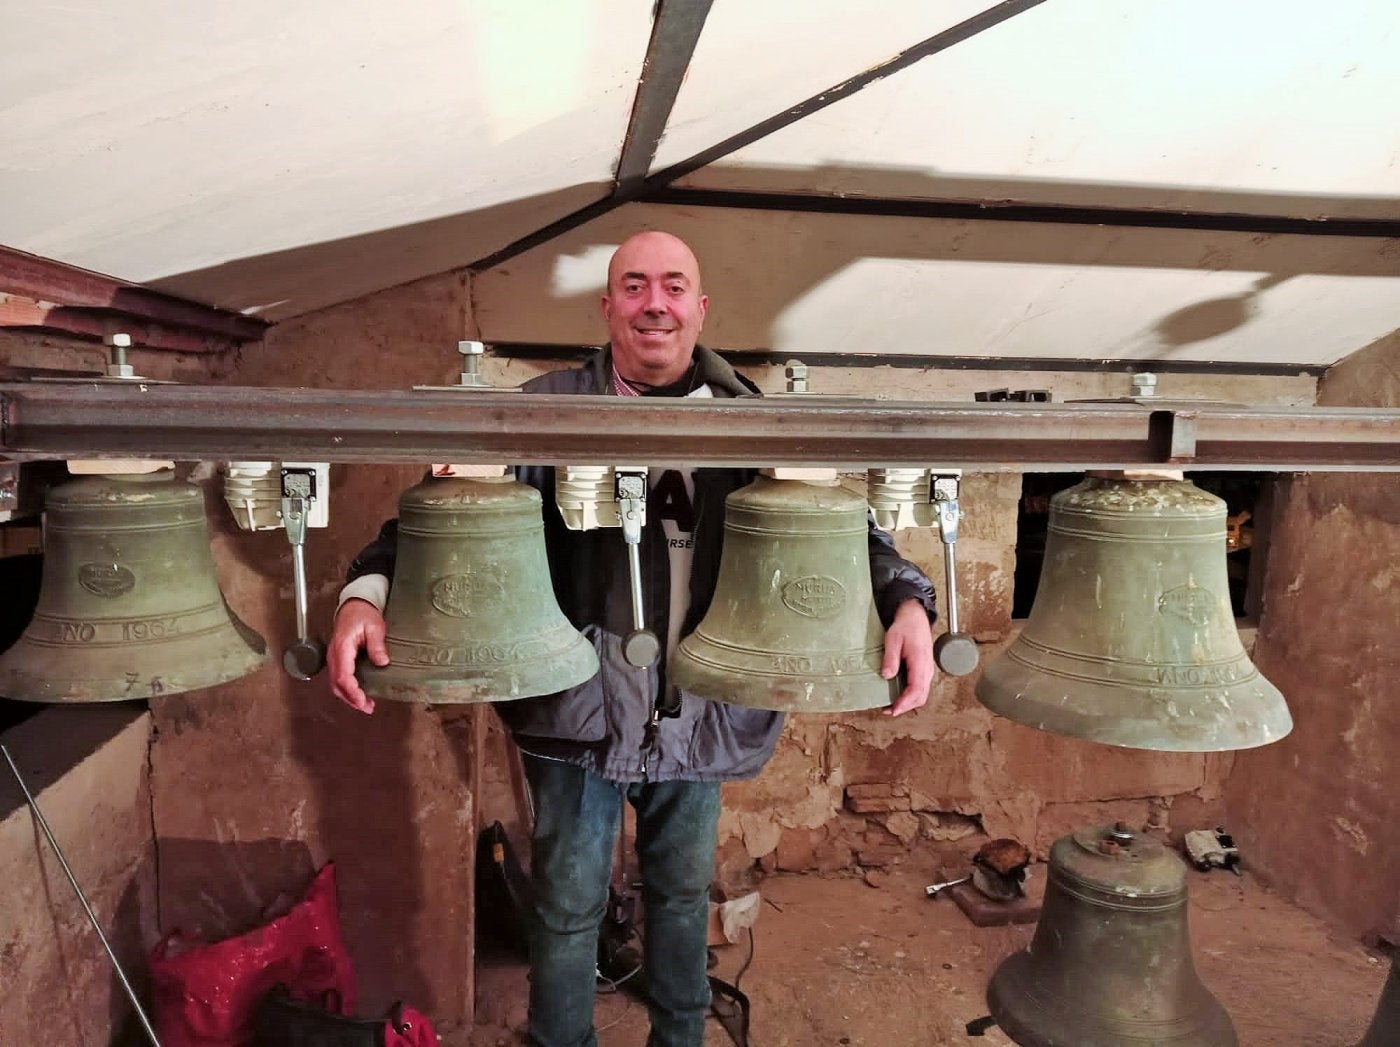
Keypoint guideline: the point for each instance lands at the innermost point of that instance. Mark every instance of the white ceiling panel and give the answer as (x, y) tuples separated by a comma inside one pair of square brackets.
[(1250, 106), (756, 58), (151, 140)]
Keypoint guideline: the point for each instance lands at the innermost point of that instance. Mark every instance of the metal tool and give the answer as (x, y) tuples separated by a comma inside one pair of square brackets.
[(933, 889), (306, 656), (954, 651), (640, 647), (44, 825)]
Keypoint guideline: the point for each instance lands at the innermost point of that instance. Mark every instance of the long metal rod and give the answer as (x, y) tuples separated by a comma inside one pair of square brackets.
[(43, 420), (950, 569), (914, 361), (1009, 211), (116, 965)]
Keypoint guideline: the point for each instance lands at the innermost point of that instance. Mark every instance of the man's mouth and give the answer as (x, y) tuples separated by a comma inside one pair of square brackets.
[(653, 331)]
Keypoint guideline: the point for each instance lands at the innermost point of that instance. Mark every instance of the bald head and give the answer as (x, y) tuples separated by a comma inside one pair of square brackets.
[(654, 307)]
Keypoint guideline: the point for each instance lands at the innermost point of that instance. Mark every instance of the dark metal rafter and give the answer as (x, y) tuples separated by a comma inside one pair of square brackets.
[(674, 34), (1009, 211)]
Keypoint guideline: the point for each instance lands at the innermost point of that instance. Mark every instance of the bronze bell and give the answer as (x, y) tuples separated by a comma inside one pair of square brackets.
[(1131, 640), (792, 625), (1384, 1030), (472, 615), (1110, 962), (129, 604)]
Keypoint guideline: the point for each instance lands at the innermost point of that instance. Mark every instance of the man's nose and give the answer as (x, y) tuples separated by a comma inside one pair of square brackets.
[(655, 301)]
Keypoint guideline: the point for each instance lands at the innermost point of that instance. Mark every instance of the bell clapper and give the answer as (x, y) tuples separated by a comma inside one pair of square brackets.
[(306, 656), (955, 651), (640, 647)]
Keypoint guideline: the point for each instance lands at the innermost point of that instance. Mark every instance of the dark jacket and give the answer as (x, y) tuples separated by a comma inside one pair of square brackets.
[(600, 724)]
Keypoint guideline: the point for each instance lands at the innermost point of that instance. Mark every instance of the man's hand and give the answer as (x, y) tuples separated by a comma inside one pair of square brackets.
[(358, 624), (909, 639)]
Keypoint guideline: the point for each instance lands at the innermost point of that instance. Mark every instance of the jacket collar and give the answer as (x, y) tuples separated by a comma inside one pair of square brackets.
[(715, 372)]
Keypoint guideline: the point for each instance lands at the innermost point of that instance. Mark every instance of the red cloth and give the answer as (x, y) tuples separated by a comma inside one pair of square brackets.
[(205, 995)]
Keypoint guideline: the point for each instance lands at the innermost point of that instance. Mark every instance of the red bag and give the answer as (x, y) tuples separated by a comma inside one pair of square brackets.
[(205, 995)]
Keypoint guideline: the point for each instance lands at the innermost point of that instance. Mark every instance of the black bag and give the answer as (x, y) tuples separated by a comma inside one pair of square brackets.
[(281, 1021), (502, 894)]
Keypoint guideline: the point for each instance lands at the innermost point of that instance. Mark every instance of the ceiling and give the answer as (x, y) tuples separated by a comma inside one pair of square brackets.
[(1059, 179)]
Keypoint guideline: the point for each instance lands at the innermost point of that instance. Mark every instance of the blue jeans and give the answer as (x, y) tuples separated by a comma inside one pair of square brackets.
[(577, 815)]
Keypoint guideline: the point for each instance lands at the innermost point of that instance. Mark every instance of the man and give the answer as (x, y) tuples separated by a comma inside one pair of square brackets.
[(588, 748)]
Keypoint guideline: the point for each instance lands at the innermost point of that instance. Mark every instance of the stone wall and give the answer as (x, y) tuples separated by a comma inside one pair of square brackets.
[(87, 769), (1316, 812)]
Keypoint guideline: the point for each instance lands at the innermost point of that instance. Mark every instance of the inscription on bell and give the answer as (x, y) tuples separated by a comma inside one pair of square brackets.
[(1189, 602), (472, 654), (76, 632), (816, 596), (807, 665), (106, 579), (457, 595), (1197, 675)]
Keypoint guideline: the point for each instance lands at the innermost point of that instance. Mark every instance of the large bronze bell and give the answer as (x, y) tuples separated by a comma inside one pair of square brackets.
[(472, 615), (1384, 1030), (129, 604), (792, 625), (1110, 962), (1131, 640)]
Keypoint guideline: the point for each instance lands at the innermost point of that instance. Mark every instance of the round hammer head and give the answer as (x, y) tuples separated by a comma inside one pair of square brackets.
[(955, 653), (641, 648), (303, 659)]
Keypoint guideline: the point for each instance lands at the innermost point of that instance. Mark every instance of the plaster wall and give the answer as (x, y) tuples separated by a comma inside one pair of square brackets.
[(1317, 811), (87, 769)]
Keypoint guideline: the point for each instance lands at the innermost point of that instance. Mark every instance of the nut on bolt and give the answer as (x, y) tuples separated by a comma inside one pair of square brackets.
[(1144, 384), (118, 367), (796, 372)]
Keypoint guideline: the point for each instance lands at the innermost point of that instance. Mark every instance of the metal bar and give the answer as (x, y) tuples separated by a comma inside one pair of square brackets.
[(674, 34), (768, 357), (48, 281), (73, 880), (135, 419), (1008, 211), (938, 42)]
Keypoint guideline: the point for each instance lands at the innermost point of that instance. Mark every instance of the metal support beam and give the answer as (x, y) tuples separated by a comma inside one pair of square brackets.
[(134, 419), (674, 35), (45, 280), (19, 313), (1008, 211)]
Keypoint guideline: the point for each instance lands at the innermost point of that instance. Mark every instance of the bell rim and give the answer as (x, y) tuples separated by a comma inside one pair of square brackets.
[(1211, 1020)]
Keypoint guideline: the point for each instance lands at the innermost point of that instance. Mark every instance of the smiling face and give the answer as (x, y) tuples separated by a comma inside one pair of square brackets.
[(654, 308)]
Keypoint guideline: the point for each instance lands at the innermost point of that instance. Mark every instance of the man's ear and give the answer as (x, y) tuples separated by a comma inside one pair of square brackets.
[(605, 304)]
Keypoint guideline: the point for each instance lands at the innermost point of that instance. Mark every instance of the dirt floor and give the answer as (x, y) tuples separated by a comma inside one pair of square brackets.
[(841, 963)]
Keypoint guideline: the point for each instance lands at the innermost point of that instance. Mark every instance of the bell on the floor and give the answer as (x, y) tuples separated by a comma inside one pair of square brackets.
[(129, 604), (1110, 962), (1384, 1030), (792, 625), (1131, 640), (472, 615)]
